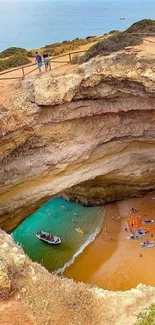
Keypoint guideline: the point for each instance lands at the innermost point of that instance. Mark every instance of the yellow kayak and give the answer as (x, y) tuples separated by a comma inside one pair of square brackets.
[(79, 230)]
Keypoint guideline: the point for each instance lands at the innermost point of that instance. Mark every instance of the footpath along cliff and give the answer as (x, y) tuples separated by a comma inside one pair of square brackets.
[(88, 134)]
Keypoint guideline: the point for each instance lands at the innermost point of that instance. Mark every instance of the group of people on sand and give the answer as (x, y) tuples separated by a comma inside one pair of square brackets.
[(114, 218), (106, 235), (43, 60)]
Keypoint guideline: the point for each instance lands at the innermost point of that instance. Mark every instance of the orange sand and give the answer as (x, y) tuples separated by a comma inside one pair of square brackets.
[(116, 264)]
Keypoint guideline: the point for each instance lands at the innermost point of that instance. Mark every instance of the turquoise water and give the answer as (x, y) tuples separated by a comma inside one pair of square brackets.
[(35, 23), (58, 217)]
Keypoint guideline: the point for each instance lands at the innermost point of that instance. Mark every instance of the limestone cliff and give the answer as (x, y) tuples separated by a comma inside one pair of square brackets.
[(88, 134), (30, 295)]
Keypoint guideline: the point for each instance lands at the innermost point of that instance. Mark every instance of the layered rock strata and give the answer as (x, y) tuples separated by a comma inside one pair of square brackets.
[(88, 134)]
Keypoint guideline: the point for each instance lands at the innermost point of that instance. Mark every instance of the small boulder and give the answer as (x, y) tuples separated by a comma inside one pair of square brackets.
[(5, 282)]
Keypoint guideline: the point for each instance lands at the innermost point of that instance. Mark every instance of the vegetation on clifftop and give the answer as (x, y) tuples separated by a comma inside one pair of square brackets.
[(12, 51), (66, 46), (142, 26), (16, 60), (106, 44), (116, 42), (16, 56), (147, 317)]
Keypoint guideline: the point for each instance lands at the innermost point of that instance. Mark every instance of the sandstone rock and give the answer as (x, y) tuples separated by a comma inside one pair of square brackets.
[(19, 259), (90, 136), (5, 282), (23, 290)]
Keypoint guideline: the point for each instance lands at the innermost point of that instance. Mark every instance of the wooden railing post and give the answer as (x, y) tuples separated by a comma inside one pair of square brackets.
[(23, 77), (70, 57), (50, 64)]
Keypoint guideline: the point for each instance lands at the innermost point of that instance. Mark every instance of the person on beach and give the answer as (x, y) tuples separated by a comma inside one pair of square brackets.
[(126, 228), (140, 255), (105, 230), (113, 218), (134, 209), (38, 59), (46, 61), (151, 235)]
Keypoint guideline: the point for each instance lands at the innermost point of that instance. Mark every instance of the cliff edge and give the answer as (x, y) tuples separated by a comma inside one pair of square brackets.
[(88, 134)]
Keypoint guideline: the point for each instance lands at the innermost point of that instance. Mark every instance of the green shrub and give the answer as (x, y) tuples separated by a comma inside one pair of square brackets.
[(111, 44), (147, 317), (12, 51), (113, 31), (14, 61), (18, 60), (88, 37), (142, 26)]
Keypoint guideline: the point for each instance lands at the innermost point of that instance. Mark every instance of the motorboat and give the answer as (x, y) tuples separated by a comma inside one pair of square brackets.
[(122, 18), (148, 244), (48, 238)]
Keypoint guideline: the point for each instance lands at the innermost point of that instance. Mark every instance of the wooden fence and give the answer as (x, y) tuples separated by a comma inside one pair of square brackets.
[(24, 69)]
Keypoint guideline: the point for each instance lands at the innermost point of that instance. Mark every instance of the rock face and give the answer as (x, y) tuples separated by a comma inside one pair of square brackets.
[(43, 298), (88, 134), (5, 282)]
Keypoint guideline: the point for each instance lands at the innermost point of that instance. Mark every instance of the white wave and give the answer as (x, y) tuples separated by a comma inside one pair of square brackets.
[(81, 249)]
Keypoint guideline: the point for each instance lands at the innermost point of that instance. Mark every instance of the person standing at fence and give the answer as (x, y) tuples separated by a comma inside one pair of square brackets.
[(46, 61), (38, 61)]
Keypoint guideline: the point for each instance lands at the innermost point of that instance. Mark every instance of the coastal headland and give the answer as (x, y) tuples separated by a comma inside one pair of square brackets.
[(90, 129)]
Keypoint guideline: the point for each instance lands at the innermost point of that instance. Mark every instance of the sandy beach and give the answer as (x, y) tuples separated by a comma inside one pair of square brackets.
[(116, 264)]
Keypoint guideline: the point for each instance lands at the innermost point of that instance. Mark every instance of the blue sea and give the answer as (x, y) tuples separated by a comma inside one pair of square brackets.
[(35, 23), (61, 218)]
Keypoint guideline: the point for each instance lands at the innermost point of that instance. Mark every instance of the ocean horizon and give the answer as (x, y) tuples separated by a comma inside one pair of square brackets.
[(36, 23)]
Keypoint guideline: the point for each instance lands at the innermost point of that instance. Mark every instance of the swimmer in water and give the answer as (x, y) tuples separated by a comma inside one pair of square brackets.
[(63, 207)]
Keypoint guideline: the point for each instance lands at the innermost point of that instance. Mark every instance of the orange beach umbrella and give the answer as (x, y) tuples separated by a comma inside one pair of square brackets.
[(133, 223)]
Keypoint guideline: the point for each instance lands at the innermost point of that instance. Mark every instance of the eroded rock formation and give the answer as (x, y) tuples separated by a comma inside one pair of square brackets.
[(88, 134)]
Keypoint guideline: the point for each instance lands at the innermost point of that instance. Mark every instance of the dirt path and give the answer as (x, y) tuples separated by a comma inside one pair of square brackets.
[(9, 87), (147, 47), (62, 62)]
